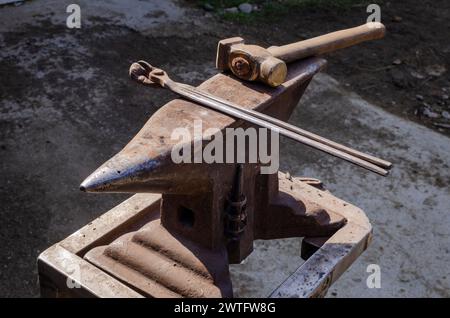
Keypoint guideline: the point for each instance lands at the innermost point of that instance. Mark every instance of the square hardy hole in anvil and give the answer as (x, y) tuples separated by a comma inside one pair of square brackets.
[(176, 245)]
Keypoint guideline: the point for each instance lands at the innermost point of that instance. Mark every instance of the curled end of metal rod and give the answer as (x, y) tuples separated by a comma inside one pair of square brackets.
[(140, 72), (148, 75)]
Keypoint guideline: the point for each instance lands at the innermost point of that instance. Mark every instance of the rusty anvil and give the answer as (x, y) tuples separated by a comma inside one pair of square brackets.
[(185, 249), (189, 221)]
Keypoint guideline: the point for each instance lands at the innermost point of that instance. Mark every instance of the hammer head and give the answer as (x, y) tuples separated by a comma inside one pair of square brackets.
[(250, 62)]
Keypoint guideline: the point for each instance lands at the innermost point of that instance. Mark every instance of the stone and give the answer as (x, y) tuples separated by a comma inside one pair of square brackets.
[(435, 70), (429, 113), (417, 75), (231, 10), (245, 7)]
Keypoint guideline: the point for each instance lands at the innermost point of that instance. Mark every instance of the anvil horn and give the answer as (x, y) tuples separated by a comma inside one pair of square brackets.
[(122, 174), (145, 163), (137, 169)]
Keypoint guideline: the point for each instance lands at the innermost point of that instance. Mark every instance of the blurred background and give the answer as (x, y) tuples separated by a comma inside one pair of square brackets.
[(67, 105)]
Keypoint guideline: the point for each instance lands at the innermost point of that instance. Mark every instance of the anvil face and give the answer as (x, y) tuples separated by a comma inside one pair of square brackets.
[(146, 165)]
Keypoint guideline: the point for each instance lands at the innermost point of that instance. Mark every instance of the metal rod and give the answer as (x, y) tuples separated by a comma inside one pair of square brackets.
[(377, 161), (185, 91)]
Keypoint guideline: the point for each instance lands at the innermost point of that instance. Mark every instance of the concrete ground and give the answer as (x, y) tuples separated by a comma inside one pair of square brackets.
[(67, 105)]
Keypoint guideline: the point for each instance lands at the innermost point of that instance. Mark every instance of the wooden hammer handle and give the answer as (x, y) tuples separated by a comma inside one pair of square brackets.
[(329, 42)]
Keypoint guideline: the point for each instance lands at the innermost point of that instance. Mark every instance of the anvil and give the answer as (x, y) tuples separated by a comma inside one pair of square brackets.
[(207, 216)]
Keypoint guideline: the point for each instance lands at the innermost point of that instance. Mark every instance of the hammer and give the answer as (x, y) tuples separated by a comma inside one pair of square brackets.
[(252, 62)]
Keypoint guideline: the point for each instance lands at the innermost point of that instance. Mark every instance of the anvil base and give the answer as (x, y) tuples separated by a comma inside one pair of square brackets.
[(127, 253)]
